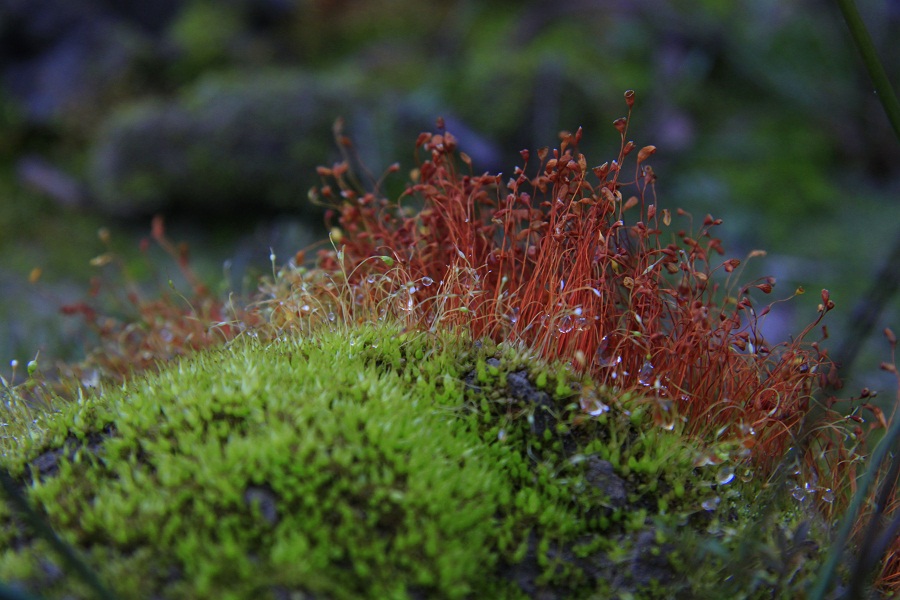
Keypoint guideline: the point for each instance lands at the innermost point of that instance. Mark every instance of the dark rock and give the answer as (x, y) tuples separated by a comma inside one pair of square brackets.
[(266, 500), (650, 561), (249, 141), (521, 388), (230, 144), (47, 463), (601, 474)]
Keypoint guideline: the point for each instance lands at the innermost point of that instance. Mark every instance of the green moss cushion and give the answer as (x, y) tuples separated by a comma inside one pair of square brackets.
[(369, 463)]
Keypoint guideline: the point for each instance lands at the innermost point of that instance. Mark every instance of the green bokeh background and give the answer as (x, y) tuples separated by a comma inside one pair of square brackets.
[(761, 111)]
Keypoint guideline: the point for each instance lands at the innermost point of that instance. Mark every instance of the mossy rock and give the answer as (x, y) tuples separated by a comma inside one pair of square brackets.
[(229, 143), (382, 464)]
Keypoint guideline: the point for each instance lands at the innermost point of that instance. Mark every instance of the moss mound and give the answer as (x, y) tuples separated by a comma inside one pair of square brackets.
[(374, 463)]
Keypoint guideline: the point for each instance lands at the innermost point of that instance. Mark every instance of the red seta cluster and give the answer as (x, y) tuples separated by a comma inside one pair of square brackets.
[(579, 264)]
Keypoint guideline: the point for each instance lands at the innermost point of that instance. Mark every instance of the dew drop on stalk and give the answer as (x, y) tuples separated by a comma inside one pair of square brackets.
[(665, 416), (746, 475), (725, 476), (603, 358), (645, 374), (427, 281), (305, 308), (331, 317), (514, 315), (710, 504), (598, 408), (827, 495), (565, 324), (370, 279)]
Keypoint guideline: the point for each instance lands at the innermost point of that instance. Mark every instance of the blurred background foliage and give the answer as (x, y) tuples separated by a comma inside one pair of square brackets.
[(216, 113)]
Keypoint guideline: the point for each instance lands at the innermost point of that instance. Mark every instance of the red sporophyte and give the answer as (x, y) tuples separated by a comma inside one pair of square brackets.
[(147, 332), (579, 264)]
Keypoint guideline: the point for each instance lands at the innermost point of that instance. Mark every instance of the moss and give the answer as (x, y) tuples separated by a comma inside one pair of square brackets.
[(229, 143), (343, 466)]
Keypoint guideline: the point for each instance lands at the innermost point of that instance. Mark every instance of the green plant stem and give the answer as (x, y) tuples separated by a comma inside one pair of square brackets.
[(65, 552), (866, 48), (837, 548), (891, 106), (887, 281)]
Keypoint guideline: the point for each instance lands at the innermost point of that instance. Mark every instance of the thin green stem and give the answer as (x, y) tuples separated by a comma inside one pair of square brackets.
[(891, 106), (866, 48), (41, 529), (837, 548)]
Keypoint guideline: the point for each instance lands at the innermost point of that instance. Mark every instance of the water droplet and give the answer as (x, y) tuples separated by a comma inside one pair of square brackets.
[(412, 290), (603, 358), (665, 416), (514, 315), (646, 373), (331, 317), (705, 459), (562, 284), (501, 435), (581, 323), (746, 475), (565, 324), (827, 495), (711, 504), (305, 308), (798, 493), (725, 476), (596, 407), (370, 279), (578, 311), (427, 281)]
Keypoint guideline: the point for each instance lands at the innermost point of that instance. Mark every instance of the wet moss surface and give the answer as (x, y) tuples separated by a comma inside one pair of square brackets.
[(377, 463)]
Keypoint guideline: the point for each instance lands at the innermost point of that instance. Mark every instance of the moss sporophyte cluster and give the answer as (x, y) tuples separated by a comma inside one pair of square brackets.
[(482, 389), (381, 464)]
